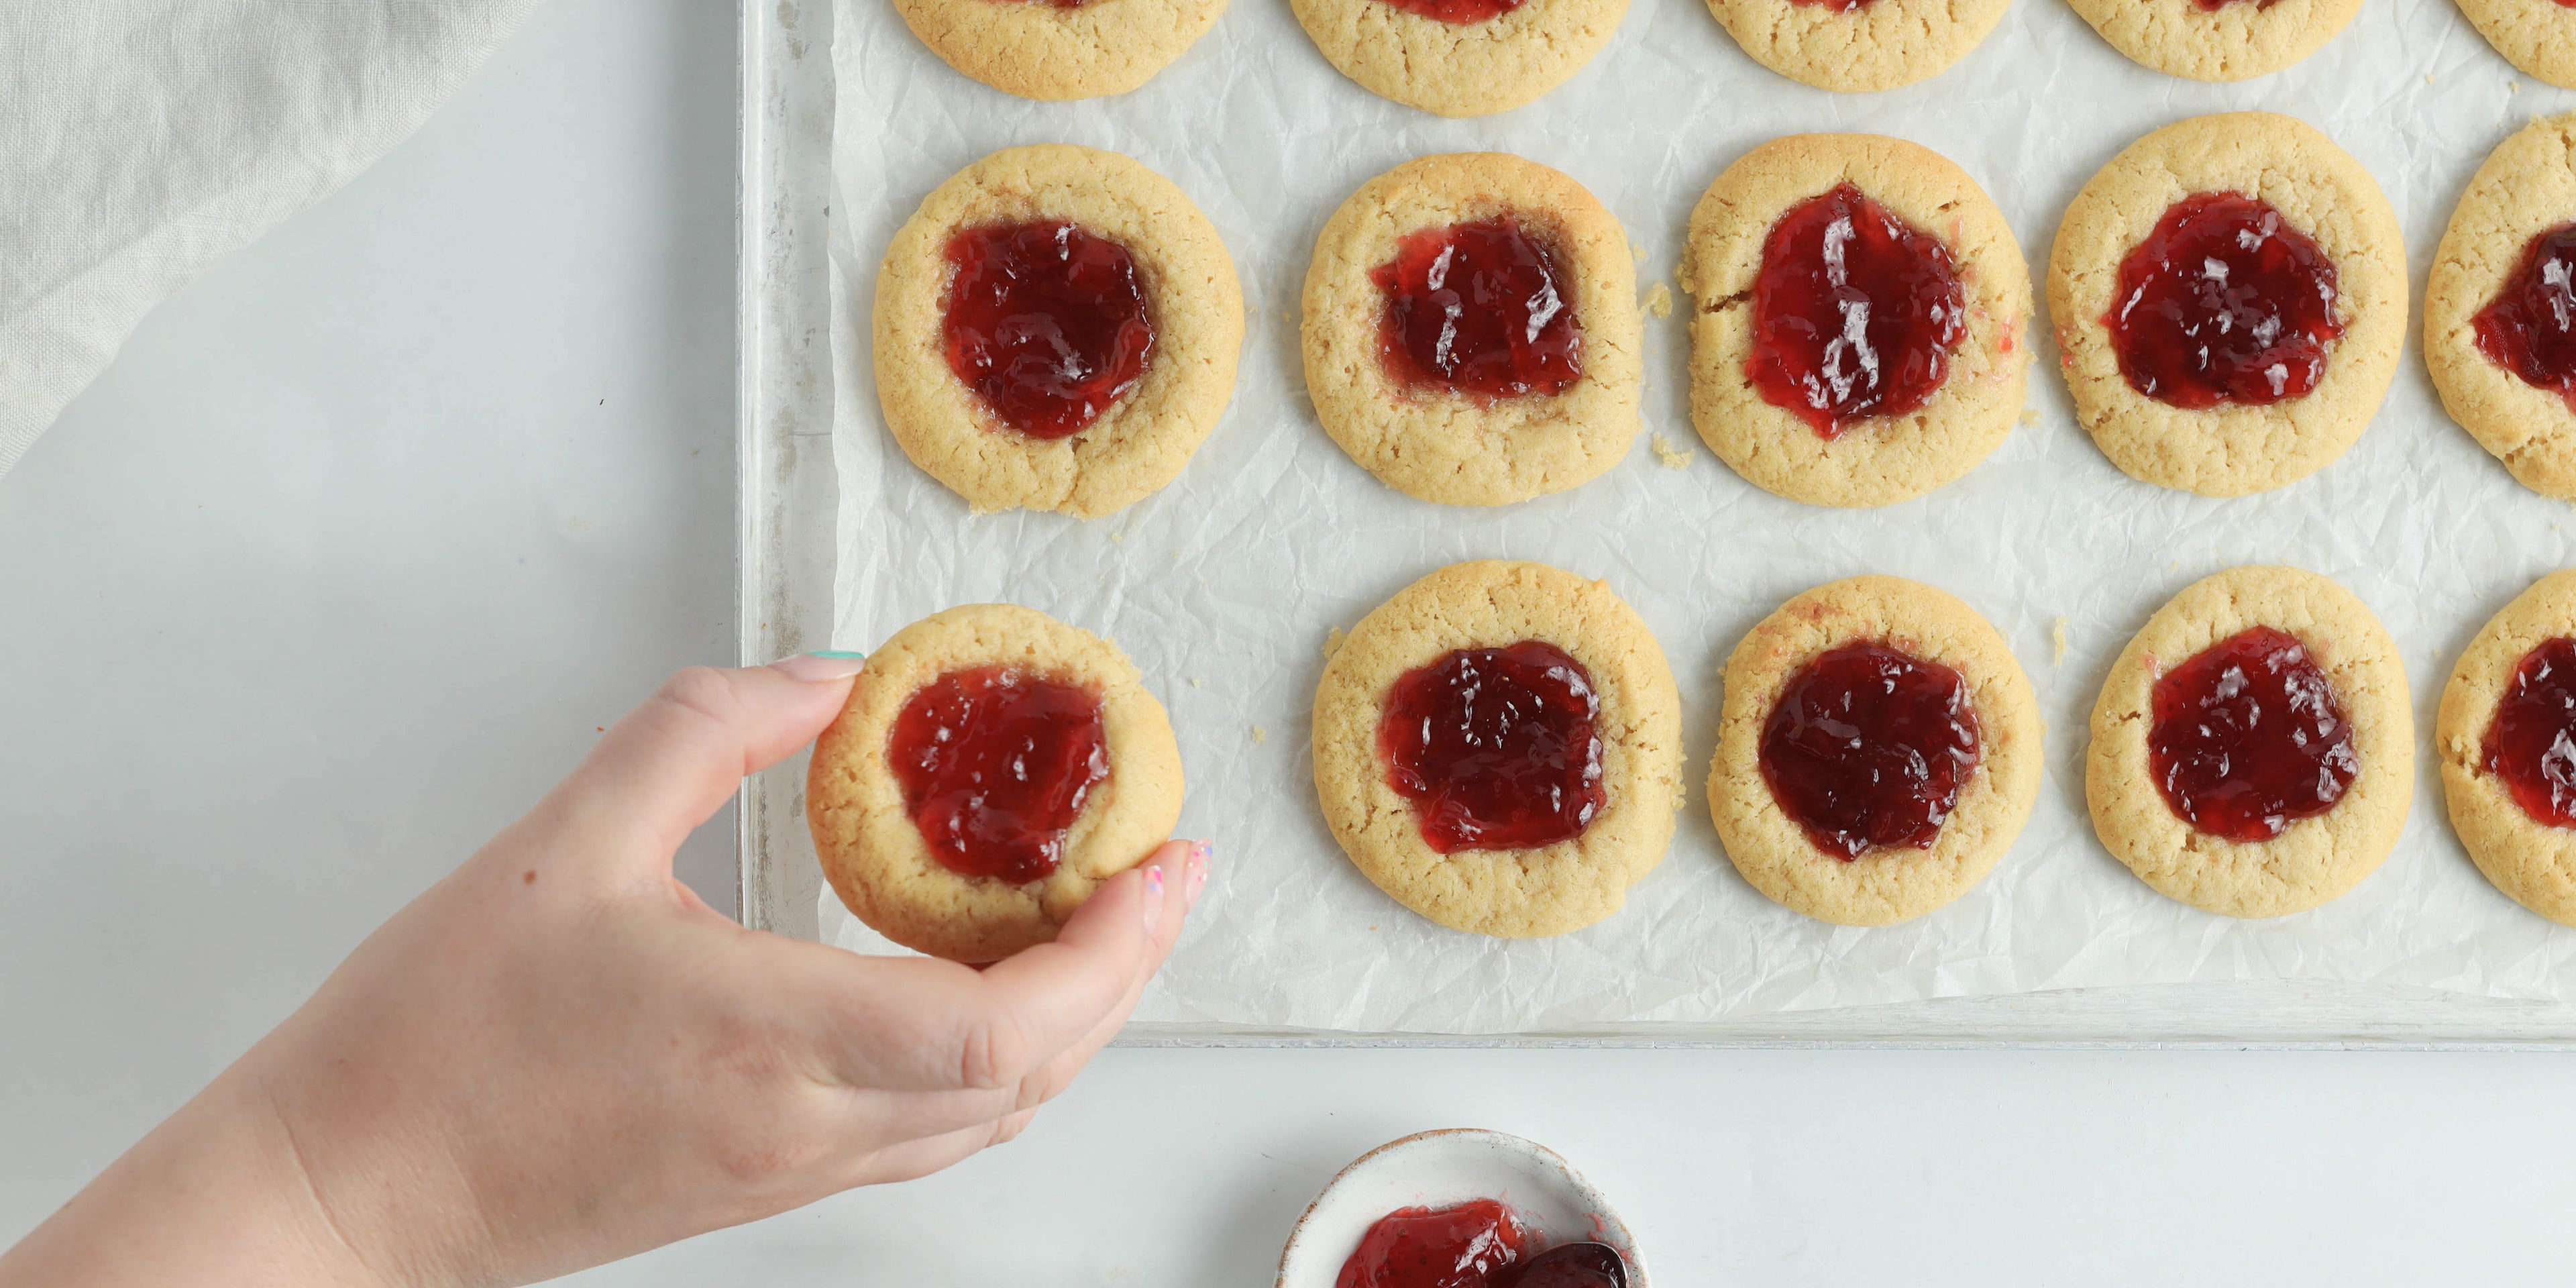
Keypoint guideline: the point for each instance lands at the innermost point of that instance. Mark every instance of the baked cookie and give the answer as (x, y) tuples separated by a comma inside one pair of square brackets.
[(1101, 400), (2230, 297), (2217, 40), (1060, 49), (1879, 751), (915, 835), (1863, 320), (1471, 331), (1499, 748), (1460, 57), (1858, 45), (2254, 748), (2538, 36), (2507, 722), (2498, 332)]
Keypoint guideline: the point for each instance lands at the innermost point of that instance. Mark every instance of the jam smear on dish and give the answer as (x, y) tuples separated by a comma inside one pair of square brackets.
[(1460, 12), (1497, 748), (2531, 743), (1568, 1265), (1479, 309), (995, 764), (1855, 313), (2529, 328), (1450, 1247), (2224, 302), (2248, 737), (1868, 747), (1046, 323)]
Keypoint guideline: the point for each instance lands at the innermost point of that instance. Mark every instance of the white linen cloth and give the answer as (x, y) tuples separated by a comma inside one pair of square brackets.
[(142, 140)]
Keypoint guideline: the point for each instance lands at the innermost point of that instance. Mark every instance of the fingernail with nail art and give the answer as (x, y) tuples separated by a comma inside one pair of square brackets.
[(820, 666), (1153, 905)]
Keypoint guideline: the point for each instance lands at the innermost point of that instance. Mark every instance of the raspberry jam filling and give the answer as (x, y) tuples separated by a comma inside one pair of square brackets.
[(2529, 328), (1476, 1244), (995, 765), (1046, 323), (2248, 738), (1461, 12), (1868, 747), (2213, 6), (1855, 313), (1838, 6), (1497, 748), (2224, 302), (1479, 309), (2531, 743)]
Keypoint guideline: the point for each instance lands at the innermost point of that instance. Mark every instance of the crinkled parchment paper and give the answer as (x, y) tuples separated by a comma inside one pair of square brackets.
[(1224, 587)]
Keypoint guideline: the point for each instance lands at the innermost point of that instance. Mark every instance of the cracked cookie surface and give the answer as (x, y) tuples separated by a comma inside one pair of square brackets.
[(2526, 187), (1040, 50), (1880, 45), (1460, 69)]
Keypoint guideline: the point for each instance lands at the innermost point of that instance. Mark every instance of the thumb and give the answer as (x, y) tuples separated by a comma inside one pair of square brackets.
[(671, 763)]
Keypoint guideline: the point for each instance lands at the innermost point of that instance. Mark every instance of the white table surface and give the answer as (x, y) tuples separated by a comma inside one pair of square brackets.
[(367, 532)]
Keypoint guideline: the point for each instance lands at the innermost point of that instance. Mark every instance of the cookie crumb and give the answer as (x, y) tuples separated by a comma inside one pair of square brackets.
[(2057, 642), (1659, 301), (2513, 87), (1333, 643), (1118, 536), (1673, 457), (2030, 415), (1260, 734), (1197, 683), (2428, 78), (1639, 252)]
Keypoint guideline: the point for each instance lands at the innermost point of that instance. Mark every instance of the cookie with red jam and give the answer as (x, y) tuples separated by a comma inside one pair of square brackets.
[(1471, 333), (1498, 747), (1857, 46), (1860, 334), (2500, 307), (1459, 57), (1060, 49), (1055, 329), (2538, 36), (2229, 295), (2217, 40), (1878, 753), (992, 768), (2254, 747), (2506, 736)]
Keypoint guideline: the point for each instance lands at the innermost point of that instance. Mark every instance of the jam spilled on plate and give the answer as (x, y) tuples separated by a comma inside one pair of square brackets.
[(2531, 742), (1855, 313), (2529, 328), (1480, 309), (1460, 12), (1497, 748), (995, 764), (2248, 737), (1476, 1244), (2223, 303), (1046, 323), (1868, 748)]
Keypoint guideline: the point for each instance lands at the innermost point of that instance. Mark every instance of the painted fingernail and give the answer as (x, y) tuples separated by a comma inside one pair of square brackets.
[(1196, 881), (820, 666), (1153, 898)]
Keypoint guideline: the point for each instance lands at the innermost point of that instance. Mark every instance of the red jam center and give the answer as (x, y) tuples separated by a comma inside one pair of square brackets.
[(1855, 313), (2248, 738), (2224, 302), (1868, 747), (1461, 12), (1838, 6), (994, 765), (1497, 748), (2213, 6), (1451, 1247), (1479, 309), (2529, 328), (2531, 744), (1046, 323)]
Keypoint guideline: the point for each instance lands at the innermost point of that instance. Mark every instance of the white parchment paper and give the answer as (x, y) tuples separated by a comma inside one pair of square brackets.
[(1224, 586)]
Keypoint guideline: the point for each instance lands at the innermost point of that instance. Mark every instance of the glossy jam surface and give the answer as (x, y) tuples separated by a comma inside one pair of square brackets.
[(1568, 1265), (1497, 748), (995, 764), (2531, 743), (2248, 737), (2224, 302), (1451, 1247), (1868, 747), (1461, 12), (1855, 313), (1480, 309), (1046, 323), (1838, 6), (2529, 328), (2213, 6)]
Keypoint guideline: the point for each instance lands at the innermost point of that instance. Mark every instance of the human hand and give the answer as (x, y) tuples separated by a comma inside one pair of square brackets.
[(558, 1055)]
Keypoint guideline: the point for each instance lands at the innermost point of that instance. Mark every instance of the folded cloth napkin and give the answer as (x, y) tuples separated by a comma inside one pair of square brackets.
[(142, 140)]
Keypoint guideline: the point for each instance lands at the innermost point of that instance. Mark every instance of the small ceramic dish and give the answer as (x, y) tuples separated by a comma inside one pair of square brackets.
[(1440, 1168)]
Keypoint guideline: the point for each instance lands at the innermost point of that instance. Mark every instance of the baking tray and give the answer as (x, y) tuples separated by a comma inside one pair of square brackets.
[(786, 514)]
